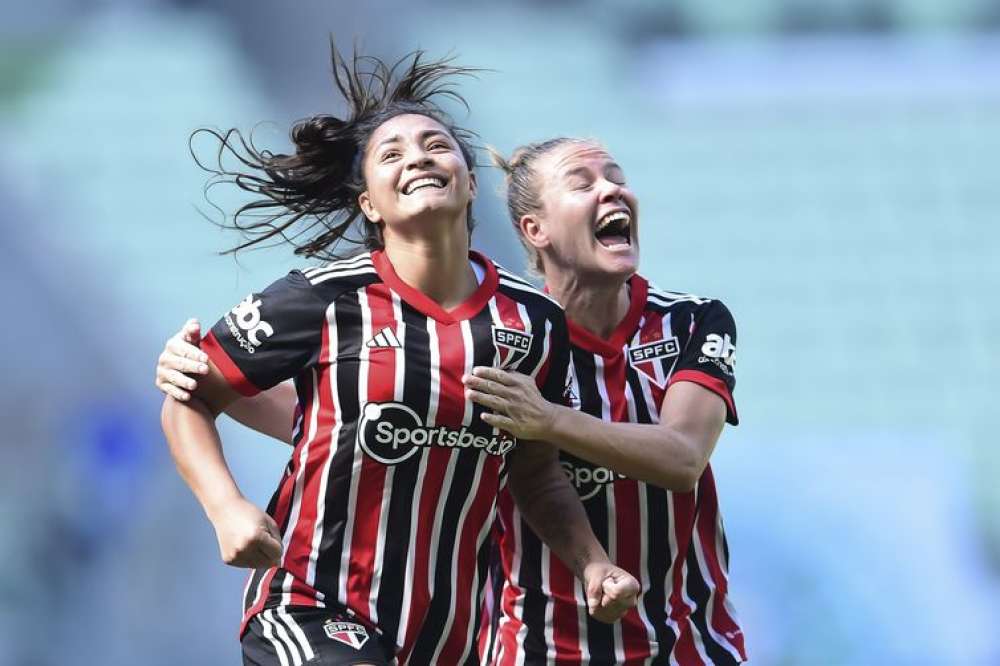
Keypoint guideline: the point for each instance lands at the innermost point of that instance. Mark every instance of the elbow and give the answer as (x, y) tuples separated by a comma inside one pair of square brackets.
[(682, 476), (683, 481)]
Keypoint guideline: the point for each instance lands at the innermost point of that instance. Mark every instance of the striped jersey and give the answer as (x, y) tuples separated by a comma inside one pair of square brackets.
[(388, 501), (672, 542)]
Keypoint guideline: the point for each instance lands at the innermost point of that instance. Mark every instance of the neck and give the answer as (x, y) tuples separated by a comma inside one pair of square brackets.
[(598, 305), (436, 265)]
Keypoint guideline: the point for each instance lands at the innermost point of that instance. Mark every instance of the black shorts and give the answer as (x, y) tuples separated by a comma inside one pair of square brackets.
[(297, 635)]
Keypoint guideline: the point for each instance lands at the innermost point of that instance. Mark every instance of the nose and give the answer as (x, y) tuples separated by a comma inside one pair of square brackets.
[(611, 192), (418, 158)]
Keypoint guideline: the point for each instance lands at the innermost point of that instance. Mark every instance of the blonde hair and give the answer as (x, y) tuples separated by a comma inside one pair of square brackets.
[(521, 177)]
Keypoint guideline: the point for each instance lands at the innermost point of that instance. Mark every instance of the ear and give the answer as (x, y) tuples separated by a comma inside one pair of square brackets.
[(533, 231), (473, 186), (365, 202)]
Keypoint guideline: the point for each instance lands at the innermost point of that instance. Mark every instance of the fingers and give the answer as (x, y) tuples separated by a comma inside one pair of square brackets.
[(180, 380), (185, 350), (487, 386), (620, 590), (493, 402), (191, 331), (497, 375), (176, 393), (269, 547), (498, 421)]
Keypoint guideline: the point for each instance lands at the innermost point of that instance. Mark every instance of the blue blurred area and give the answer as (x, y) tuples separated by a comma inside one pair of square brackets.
[(829, 169)]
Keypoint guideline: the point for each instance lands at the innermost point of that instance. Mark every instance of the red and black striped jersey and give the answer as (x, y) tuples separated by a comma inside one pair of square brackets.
[(672, 542), (387, 503)]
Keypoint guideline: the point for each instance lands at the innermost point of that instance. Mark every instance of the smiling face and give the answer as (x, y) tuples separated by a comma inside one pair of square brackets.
[(415, 172), (588, 219)]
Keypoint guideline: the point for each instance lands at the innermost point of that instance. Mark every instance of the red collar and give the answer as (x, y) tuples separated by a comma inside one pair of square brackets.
[(426, 305), (581, 337)]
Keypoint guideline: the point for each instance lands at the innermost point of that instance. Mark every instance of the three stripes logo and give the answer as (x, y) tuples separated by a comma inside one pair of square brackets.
[(512, 346), (384, 339)]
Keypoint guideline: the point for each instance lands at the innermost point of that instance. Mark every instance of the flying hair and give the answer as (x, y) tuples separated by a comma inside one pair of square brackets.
[(309, 199)]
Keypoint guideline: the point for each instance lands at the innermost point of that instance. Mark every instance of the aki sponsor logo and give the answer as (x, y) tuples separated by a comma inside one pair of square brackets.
[(720, 351), (643, 357), (589, 480), (391, 432), (512, 345), (348, 633), (245, 319)]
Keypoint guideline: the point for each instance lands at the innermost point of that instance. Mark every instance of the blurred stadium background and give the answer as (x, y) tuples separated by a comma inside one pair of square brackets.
[(830, 168)]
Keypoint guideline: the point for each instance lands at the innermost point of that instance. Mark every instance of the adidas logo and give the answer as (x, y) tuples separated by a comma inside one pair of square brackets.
[(386, 338)]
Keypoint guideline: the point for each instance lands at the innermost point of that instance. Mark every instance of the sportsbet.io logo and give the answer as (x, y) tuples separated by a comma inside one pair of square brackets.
[(588, 479), (391, 432)]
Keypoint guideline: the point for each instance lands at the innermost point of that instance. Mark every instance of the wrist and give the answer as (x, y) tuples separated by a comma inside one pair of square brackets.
[(219, 504), (552, 423)]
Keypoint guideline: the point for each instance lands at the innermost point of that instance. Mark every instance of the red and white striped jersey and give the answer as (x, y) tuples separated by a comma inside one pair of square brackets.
[(387, 504), (672, 542)]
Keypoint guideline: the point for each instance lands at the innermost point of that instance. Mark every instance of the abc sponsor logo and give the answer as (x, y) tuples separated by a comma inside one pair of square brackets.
[(719, 350), (588, 479), (245, 318), (391, 432)]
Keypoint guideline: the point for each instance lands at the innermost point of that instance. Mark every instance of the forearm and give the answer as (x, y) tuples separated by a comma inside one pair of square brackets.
[(269, 412), (654, 453), (197, 451), (552, 508)]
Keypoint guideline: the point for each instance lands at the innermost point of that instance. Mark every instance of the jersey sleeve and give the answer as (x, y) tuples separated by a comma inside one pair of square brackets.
[(269, 336), (709, 358), (554, 386)]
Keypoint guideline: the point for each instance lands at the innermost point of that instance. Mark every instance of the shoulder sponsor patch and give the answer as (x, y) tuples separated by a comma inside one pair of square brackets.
[(245, 319)]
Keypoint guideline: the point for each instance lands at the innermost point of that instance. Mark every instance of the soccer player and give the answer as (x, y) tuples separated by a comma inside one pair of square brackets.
[(652, 387), (375, 544)]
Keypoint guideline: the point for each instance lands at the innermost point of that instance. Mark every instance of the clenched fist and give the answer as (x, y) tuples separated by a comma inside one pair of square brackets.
[(248, 537), (611, 591)]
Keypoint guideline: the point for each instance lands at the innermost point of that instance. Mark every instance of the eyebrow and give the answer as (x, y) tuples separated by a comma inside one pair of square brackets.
[(585, 172), (426, 134)]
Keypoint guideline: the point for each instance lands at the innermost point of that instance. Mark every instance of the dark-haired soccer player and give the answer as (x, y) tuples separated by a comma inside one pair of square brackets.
[(375, 544)]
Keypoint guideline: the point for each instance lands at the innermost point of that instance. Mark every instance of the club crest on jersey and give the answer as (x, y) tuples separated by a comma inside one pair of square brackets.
[(512, 345), (348, 633), (391, 432), (643, 357)]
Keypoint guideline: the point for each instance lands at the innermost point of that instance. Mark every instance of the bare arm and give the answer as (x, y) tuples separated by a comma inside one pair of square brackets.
[(247, 536), (671, 454), (552, 508), (182, 363)]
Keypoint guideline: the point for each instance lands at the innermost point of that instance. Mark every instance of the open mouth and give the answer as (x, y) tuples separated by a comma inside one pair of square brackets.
[(615, 229), (423, 183)]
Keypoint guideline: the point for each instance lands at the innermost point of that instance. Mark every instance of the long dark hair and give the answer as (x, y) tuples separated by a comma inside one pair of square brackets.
[(310, 199)]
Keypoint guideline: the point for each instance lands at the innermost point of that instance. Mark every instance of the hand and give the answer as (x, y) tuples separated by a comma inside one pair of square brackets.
[(517, 405), (247, 536), (180, 359), (611, 591)]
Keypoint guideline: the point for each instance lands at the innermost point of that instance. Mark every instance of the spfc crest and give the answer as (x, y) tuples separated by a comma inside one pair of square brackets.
[(512, 345), (645, 358), (348, 633)]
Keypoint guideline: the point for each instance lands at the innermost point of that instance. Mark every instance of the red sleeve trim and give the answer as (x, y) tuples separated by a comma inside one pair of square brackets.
[(713, 384), (210, 345)]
